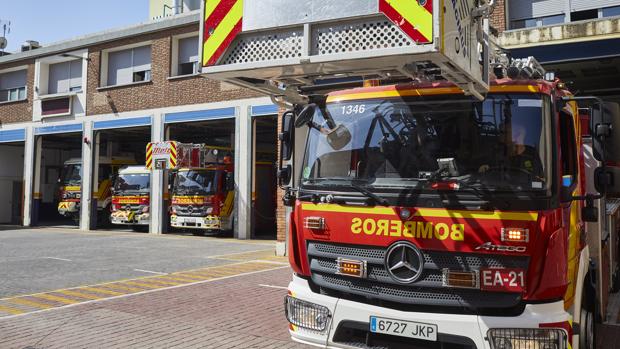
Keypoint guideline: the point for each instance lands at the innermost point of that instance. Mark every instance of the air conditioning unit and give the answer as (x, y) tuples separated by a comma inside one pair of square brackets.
[(30, 45)]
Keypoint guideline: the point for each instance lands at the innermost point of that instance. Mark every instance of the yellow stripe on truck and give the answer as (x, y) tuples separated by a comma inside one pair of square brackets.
[(222, 31), (415, 14)]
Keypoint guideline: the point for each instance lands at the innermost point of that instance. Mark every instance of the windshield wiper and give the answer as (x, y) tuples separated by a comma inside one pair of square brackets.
[(371, 195)]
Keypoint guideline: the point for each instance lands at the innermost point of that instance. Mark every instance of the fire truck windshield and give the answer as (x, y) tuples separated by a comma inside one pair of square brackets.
[(195, 182), (71, 174), (134, 183), (502, 143)]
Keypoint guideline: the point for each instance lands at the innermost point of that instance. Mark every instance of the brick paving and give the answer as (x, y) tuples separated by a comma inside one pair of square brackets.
[(229, 313)]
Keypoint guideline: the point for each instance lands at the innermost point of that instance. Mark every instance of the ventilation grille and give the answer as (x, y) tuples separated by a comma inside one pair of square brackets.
[(358, 36), (260, 48)]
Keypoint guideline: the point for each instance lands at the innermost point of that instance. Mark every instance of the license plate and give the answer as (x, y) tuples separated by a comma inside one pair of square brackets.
[(402, 328), (504, 280), (190, 220)]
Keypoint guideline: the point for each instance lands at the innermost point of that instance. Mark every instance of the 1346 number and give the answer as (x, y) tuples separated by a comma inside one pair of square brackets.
[(353, 109)]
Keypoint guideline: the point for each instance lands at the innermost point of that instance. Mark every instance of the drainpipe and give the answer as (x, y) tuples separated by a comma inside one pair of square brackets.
[(177, 5)]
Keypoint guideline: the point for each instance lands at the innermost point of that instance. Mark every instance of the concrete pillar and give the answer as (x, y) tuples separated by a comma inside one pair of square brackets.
[(243, 172), (88, 163), (158, 209), (29, 175), (36, 187)]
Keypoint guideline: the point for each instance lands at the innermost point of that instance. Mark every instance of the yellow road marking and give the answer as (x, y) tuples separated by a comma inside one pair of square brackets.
[(78, 294), (179, 278), (142, 285), (11, 310), (196, 275), (102, 291), (30, 303), (51, 297), (121, 287), (189, 276), (158, 281)]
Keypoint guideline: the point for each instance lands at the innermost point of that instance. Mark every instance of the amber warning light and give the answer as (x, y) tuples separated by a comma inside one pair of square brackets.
[(515, 234), (351, 267)]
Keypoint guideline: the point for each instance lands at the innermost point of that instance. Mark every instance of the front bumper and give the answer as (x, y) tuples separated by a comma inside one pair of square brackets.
[(469, 328), (130, 217), (68, 208), (208, 222)]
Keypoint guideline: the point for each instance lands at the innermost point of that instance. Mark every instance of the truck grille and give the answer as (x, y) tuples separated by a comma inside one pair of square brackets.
[(428, 290)]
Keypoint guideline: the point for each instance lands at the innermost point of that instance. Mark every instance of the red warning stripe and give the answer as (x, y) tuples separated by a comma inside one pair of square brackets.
[(402, 22), (216, 17)]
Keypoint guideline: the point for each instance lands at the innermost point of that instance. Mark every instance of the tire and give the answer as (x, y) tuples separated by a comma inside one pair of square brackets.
[(140, 228), (197, 232), (587, 324), (103, 218)]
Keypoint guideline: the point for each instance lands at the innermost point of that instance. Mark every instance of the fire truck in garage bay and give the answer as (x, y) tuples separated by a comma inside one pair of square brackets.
[(131, 197), (203, 191), (453, 201)]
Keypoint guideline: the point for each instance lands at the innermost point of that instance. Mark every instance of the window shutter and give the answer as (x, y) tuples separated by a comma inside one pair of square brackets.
[(142, 58), (13, 79), (581, 5), (119, 68), (76, 74), (524, 9), (58, 78), (188, 50)]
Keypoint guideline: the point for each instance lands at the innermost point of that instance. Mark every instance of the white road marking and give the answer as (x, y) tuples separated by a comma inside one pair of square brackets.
[(273, 286), (150, 272), (58, 259)]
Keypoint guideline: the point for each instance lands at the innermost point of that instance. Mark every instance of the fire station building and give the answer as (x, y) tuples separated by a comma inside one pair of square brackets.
[(104, 96)]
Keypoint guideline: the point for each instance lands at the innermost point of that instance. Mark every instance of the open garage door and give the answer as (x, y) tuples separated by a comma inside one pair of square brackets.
[(12, 177), (58, 176), (121, 194), (264, 181), (216, 129)]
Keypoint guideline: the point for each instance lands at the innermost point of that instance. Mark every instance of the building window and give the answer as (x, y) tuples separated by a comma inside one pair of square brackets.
[(583, 15), (188, 56), (65, 77), (537, 22), (611, 11), (56, 106), (129, 66), (13, 86)]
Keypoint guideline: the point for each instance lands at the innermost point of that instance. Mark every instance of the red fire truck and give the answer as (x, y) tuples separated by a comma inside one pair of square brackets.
[(203, 186), (455, 201)]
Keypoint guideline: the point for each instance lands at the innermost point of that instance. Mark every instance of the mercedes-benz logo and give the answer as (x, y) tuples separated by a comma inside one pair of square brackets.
[(190, 208), (404, 262), (128, 207)]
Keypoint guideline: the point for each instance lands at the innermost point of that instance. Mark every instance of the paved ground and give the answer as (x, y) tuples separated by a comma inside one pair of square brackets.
[(194, 316), (37, 260)]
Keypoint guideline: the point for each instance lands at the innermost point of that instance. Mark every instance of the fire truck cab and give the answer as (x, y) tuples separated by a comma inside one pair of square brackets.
[(131, 197), (453, 200)]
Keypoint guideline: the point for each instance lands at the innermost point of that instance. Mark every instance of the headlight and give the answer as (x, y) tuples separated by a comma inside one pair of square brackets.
[(527, 338), (209, 210), (305, 314), (145, 209)]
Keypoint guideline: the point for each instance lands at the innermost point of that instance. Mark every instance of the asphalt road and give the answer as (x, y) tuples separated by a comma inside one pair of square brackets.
[(38, 260)]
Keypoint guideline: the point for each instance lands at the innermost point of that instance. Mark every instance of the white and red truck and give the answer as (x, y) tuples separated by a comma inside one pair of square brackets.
[(457, 201)]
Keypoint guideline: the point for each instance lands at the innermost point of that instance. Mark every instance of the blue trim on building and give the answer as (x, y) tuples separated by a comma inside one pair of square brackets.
[(122, 123), (58, 129), (576, 51), (261, 110), (18, 135), (200, 115)]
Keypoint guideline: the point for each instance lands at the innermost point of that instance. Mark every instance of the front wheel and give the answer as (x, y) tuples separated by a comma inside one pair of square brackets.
[(587, 324)]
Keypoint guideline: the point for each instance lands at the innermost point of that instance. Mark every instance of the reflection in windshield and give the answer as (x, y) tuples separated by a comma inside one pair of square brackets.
[(496, 144), (195, 182), (133, 182), (71, 174)]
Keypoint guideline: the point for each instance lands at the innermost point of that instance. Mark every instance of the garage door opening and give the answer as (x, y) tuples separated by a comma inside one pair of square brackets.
[(201, 200), (12, 183), (264, 183), (58, 180), (121, 194)]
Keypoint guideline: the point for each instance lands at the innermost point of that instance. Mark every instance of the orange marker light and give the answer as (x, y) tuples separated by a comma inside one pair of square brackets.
[(515, 235)]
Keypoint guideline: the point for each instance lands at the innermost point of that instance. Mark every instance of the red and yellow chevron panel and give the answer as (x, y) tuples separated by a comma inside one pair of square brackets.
[(149, 156), (173, 154), (223, 21), (414, 17)]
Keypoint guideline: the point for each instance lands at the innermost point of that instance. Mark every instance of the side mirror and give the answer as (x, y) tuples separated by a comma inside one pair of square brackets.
[(287, 139), (305, 116), (605, 128), (589, 214)]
